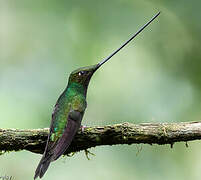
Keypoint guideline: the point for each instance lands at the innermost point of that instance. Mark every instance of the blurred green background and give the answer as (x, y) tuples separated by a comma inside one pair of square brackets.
[(156, 78)]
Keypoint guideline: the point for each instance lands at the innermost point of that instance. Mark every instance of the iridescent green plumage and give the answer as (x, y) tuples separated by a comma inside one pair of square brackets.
[(69, 110), (72, 97), (66, 117)]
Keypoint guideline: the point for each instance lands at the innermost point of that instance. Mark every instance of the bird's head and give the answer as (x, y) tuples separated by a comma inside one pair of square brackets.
[(83, 75)]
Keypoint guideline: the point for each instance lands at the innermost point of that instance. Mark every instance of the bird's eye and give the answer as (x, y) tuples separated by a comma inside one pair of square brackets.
[(81, 73)]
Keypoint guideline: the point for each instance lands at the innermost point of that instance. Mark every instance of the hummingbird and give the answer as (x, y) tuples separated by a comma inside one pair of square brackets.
[(69, 110)]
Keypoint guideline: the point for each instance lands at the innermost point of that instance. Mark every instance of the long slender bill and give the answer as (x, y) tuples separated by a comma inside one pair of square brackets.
[(138, 32)]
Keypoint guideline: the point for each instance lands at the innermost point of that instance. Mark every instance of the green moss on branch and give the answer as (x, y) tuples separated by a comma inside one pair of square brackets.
[(149, 133)]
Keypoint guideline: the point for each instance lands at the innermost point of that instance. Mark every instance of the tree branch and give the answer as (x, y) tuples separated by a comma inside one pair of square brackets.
[(126, 133)]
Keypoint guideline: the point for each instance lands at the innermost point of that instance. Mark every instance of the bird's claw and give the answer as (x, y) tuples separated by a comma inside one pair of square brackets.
[(87, 152)]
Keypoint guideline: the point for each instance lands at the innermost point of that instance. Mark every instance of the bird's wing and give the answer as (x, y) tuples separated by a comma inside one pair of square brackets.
[(73, 123), (55, 149), (60, 137)]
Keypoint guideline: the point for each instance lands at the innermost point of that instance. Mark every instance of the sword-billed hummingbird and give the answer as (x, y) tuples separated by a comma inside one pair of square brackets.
[(69, 110)]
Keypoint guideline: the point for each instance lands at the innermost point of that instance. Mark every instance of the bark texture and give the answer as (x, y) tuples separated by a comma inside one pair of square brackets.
[(34, 140)]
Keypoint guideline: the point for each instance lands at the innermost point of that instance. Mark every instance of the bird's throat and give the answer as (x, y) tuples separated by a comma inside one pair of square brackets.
[(76, 88)]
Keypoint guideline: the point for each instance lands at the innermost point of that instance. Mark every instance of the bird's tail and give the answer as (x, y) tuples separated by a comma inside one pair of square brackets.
[(43, 165)]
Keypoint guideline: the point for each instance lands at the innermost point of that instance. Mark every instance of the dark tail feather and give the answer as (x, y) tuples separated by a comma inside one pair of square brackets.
[(42, 166)]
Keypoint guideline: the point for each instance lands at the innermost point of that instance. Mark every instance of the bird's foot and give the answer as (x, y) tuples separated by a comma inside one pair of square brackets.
[(87, 152), (83, 127)]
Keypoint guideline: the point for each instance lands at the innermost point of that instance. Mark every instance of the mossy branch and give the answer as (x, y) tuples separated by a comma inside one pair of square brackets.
[(126, 133)]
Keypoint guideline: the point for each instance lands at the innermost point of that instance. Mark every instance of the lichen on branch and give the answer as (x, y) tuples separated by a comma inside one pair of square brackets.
[(34, 140)]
